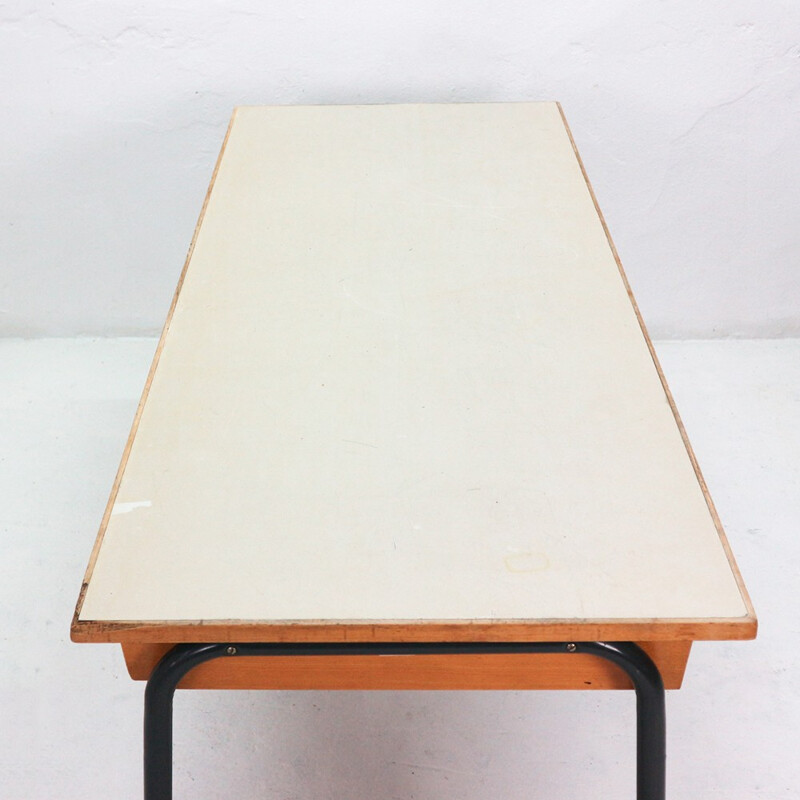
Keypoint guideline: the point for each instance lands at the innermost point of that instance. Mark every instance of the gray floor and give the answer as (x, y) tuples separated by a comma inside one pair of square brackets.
[(70, 717)]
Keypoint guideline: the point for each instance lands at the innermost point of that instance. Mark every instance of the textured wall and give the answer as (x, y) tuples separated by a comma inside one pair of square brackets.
[(687, 115)]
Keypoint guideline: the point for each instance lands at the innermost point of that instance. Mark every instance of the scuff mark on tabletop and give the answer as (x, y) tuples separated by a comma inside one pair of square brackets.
[(125, 508)]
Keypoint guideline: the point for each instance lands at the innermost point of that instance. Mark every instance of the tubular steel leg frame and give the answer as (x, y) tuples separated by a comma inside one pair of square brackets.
[(650, 711)]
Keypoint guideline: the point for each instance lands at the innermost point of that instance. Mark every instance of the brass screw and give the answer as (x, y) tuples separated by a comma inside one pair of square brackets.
[(231, 651), (572, 647)]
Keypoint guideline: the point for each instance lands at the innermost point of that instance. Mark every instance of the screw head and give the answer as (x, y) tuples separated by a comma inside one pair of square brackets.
[(572, 647), (231, 651)]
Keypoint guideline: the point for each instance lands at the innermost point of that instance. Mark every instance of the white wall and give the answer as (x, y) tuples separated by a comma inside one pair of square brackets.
[(687, 115)]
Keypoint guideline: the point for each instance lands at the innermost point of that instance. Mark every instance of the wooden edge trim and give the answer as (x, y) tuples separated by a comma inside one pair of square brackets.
[(751, 615), (145, 392), (415, 631)]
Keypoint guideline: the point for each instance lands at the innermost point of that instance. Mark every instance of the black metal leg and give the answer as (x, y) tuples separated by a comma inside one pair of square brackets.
[(650, 709), (651, 718), (158, 713)]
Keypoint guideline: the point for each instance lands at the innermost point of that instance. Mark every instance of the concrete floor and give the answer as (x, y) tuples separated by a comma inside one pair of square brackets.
[(70, 718)]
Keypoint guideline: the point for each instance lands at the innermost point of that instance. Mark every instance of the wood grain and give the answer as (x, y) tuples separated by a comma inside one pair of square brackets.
[(525, 671), (415, 631)]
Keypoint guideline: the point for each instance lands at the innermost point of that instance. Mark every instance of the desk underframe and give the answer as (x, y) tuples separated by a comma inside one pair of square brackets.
[(626, 658)]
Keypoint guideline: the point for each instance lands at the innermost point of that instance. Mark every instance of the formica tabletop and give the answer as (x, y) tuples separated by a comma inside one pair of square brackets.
[(404, 393)]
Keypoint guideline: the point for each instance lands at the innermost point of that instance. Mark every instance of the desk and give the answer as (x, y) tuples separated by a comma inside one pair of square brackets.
[(404, 404)]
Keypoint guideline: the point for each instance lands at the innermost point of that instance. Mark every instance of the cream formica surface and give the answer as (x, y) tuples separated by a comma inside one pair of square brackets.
[(404, 381)]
